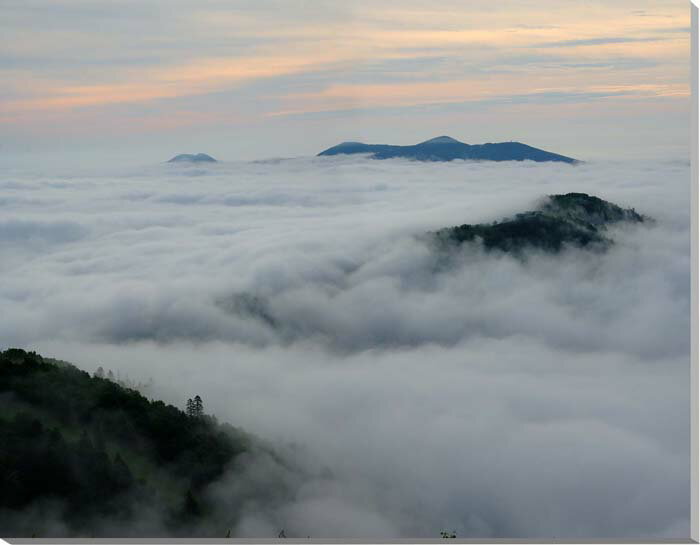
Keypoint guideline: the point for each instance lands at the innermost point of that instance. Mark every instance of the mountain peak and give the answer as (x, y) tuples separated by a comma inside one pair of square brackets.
[(442, 140), (446, 148), (575, 219), (349, 143), (193, 158)]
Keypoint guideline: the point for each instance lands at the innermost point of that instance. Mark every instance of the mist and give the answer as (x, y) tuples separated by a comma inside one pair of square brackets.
[(496, 397)]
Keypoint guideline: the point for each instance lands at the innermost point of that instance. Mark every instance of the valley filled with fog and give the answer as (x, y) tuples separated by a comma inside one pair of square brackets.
[(500, 396)]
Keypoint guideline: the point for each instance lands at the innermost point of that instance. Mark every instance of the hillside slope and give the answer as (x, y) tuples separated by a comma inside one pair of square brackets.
[(96, 456)]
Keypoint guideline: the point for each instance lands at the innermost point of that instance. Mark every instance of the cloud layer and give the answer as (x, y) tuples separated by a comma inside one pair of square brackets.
[(496, 397)]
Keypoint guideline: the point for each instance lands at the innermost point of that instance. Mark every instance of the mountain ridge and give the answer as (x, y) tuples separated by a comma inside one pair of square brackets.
[(573, 219), (446, 148), (101, 451)]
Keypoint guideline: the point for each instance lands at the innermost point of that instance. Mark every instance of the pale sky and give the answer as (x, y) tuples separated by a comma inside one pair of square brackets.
[(143, 80)]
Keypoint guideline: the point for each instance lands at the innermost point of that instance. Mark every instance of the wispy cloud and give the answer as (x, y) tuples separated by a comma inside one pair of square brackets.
[(596, 41), (249, 61), (344, 97)]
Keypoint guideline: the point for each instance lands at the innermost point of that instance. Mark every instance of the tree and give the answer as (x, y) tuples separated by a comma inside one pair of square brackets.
[(100, 373), (189, 411), (198, 406)]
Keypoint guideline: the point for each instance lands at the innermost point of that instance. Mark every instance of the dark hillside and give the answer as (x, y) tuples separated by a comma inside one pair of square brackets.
[(99, 450), (574, 219)]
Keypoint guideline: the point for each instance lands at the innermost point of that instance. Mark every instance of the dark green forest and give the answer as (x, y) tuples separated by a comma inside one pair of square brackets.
[(574, 220), (92, 450)]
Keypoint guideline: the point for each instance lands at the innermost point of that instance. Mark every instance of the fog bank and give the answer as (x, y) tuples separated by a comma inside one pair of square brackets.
[(545, 397)]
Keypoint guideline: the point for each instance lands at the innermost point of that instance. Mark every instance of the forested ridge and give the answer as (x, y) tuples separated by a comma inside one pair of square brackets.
[(92, 449), (574, 219)]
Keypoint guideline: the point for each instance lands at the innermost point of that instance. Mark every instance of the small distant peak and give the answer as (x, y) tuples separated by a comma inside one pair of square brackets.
[(442, 140), (193, 158)]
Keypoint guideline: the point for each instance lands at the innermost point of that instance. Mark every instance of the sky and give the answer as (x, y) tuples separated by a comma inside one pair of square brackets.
[(137, 82)]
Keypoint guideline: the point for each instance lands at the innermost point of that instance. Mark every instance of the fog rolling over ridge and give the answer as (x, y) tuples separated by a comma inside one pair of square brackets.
[(497, 397)]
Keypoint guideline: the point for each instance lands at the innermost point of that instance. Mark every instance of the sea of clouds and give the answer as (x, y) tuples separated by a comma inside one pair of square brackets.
[(497, 397)]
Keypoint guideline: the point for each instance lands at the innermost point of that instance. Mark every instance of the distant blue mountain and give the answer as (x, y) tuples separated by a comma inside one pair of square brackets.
[(445, 148), (191, 158)]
